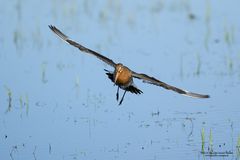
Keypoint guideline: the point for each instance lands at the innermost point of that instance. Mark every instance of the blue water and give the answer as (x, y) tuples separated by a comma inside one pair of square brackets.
[(57, 103)]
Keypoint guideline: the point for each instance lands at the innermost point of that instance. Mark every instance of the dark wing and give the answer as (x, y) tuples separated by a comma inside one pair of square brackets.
[(130, 88), (133, 89), (80, 47), (156, 82)]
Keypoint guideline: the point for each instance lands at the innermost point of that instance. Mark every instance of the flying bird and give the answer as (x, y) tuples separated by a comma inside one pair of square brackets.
[(122, 76)]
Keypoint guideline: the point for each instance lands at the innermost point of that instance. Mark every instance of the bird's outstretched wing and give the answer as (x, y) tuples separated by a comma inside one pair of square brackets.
[(80, 47), (154, 81)]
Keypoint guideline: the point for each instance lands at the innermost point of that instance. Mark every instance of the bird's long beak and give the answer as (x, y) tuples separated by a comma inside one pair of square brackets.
[(116, 77)]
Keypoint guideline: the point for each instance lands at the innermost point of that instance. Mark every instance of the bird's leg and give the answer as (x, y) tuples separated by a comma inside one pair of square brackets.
[(122, 98), (117, 95)]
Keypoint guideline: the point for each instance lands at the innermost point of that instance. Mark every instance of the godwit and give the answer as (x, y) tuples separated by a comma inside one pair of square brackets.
[(122, 76)]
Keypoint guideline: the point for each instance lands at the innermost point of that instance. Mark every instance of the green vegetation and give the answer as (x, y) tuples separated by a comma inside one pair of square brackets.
[(238, 147), (18, 38), (197, 72), (229, 64), (210, 142), (229, 34), (27, 104), (208, 12), (181, 67), (21, 102), (9, 93), (203, 139), (207, 21), (44, 66), (24, 102), (77, 85)]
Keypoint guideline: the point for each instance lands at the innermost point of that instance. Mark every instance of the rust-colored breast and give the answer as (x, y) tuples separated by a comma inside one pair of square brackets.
[(125, 77)]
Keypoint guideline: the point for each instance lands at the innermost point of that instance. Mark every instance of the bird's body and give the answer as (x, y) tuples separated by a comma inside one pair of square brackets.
[(122, 76)]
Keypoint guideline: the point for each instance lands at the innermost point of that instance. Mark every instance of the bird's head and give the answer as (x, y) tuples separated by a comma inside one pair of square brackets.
[(118, 70)]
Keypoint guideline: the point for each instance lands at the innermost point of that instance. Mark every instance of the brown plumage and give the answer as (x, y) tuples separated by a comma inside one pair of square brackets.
[(122, 75)]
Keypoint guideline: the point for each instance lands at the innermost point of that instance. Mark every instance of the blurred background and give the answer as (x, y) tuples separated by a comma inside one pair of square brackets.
[(57, 102)]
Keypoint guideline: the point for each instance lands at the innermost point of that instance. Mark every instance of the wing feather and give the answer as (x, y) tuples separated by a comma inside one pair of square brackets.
[(80, 47), (154, 81)]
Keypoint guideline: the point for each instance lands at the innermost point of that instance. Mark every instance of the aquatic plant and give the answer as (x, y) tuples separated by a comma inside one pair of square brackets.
[(229, 34), (181, 67), (207, 21), (18, 39), (27, 104), (21, 101), (238, 147), (44, 66), (9, 93), (210, 147), (229, 64), (203, 140), (197, 72), (77, 85)]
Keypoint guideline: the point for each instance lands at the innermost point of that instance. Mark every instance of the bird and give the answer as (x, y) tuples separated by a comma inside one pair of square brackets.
[(122, 76)]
